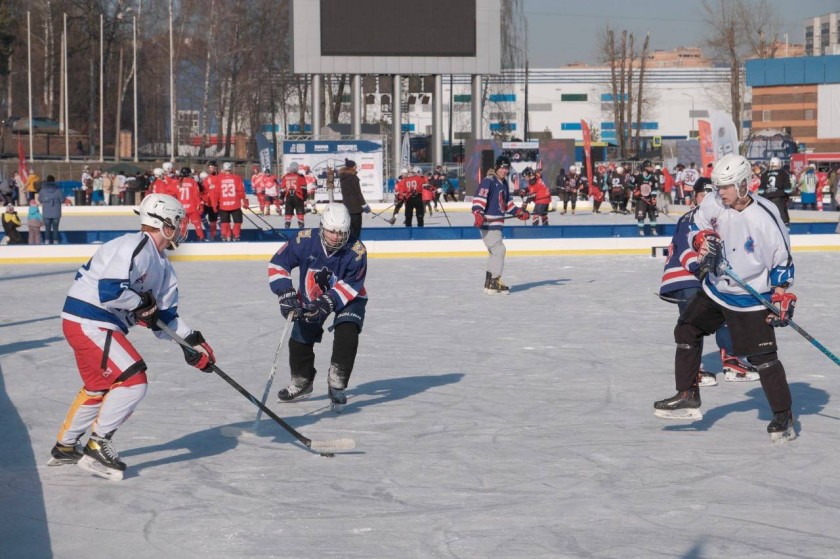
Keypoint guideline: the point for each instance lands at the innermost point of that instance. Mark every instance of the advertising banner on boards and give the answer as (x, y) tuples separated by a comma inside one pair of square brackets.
[(314, 156)]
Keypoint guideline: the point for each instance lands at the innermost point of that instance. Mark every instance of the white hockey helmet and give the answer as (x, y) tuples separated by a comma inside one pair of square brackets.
[(417, 171), (227, 166), (158, 172), (731, 169), (658, 168), (168, 167), (162, 210), (404, 171), (775, 163), (619, 170), (203, 175), (293, 167), (572, 169), (335, 226)]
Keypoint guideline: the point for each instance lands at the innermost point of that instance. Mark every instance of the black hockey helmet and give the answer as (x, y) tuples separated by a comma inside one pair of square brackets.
[(503, 161), (646, 163), (186, 171), (527, 172), (703, 184)]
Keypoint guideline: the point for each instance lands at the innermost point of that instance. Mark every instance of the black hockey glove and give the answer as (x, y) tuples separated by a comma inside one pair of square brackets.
[(318, 310), (290, 304), (146, 313), (200, 355)]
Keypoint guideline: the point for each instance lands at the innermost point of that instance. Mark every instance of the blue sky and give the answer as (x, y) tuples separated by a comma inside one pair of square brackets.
[(562, 32)]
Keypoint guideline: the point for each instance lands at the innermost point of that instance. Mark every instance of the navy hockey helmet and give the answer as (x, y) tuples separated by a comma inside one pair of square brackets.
[(502, 162)]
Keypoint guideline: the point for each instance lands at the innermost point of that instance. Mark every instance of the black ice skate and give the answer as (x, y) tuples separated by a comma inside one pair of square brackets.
[(781, 427), (496, 287), (64, 454), (683, 405), (101, 459), (337, 399), (293, 393)]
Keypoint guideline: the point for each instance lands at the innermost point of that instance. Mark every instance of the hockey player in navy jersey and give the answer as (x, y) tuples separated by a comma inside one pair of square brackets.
[(745, 232), (490, 204), (646, 189), (332, 268), (681, 283), (128, 282)]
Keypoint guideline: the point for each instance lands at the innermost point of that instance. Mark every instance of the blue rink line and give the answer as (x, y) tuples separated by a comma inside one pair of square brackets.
[(665, 230)]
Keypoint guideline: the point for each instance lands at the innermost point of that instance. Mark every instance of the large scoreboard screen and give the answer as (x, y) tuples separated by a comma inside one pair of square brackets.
[(398, 28)]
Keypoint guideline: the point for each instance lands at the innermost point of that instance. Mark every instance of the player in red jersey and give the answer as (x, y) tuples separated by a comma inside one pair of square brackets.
[(211, 185), (229, 199), (293, 185), (538, 193), (190, 197), (411, 189), (265, 184)]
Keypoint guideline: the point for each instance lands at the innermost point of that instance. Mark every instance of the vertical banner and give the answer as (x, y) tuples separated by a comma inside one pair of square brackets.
[(724, 133), (266, 153), (707, 148), (316, 156), (22, 170), (405, 155), (587, 149)]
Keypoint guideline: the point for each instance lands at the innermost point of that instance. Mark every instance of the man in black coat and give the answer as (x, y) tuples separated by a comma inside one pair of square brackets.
[(352, 197)]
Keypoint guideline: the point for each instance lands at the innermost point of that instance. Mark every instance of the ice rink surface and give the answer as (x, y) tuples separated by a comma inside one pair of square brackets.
[(485, 426)]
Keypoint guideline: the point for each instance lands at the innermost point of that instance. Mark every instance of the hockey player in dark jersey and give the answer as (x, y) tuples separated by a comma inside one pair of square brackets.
[(646, 189), (776, 186), (491, 203), (333, 266), (681, 283), (618, 195)]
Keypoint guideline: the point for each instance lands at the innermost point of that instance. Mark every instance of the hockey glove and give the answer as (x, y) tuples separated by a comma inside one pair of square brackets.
[(290, 304), (318, 310), (366, 209), (523, 215), (479, 218), (146, 313), (200, 355), (785, 303)]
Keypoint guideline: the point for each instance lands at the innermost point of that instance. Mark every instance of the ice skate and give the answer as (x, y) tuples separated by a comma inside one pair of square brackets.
[(735, 370), (63, 454), (496, 287), (683, 405), (293, 393), (337, 399), (392, 221), (705, 378), (101, 459), (781, 427), (641, 232)]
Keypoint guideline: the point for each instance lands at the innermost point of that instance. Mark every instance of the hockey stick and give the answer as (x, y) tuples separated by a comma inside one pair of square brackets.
[(324, 448), (289, 321), (255, 224), (374, 214), (444, 213), (772, 308)]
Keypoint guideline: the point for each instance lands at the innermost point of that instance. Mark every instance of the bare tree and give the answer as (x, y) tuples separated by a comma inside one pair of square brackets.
[(627, 87), (738, 29)]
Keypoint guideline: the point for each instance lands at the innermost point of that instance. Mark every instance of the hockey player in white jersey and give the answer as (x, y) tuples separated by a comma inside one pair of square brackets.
[(129, 281), (737, 229)]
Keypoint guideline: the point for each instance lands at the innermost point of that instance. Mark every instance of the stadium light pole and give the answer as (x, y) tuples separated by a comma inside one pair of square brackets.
[(29, 74), (691, 134)]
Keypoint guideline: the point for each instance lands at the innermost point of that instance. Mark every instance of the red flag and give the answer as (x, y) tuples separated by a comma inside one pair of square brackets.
[(587, 149), (707, 149), (22, 170)]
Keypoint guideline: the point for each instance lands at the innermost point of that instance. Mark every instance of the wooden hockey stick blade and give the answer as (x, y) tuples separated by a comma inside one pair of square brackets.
[(335, 445)]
